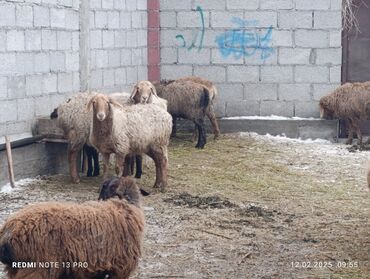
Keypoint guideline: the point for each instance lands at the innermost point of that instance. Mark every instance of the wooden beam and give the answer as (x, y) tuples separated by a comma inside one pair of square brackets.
[(10, 162)]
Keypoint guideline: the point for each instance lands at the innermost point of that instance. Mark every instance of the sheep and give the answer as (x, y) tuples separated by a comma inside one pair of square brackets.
[(188, 100), (73, 119), (210, 109), (90, 155), (350, 101), (131, 130), (144, 93), (104, 235)]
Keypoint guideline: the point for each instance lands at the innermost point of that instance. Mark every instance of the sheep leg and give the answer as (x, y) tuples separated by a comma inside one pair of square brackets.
[(84, 161), (128, 165), (72, 160), (89, 161), (160, 160), (174, 130), (202, 139), (119, 168), (106, 165), (96, 163), (212, 118), (350, 133), (358, 132), (139, 166)]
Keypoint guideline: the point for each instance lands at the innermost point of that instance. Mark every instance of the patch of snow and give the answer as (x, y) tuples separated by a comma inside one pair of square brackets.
[(271, 117), (284, 138), (6, 189)]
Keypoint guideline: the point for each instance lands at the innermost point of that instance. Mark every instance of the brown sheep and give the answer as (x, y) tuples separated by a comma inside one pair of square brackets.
[(350, 101), (104, 235)]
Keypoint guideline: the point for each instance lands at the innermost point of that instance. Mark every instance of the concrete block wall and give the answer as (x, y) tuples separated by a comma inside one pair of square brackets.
[(266, 56), (39, 59), (118, 43)]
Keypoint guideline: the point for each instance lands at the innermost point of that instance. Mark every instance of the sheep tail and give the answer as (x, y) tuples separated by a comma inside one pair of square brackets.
[(204, 98)]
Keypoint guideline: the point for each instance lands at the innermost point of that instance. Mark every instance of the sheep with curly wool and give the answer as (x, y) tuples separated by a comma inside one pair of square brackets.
[(131, 130), (104, 235)]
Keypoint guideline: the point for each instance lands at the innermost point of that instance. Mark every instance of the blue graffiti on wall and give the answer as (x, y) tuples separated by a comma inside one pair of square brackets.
[(241, 42), (193, 43)]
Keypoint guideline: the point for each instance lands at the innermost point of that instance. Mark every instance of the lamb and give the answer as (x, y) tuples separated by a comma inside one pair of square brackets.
[(75, 122), (350, 101), (144, 92), (131, 130), (105, 235)]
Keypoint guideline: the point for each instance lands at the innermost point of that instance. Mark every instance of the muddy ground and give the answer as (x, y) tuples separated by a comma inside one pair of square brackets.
[(246, 206)]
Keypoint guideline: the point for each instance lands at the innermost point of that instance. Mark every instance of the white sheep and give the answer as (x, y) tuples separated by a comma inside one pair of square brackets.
[(104, 236), (131, 130)]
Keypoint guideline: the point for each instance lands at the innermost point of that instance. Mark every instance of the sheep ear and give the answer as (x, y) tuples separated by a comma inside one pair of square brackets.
[(154, 91), (134, 92), (115, 103), (90, 105)]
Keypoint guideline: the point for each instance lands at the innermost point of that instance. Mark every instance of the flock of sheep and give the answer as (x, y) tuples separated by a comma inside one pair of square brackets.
[(106, 235)]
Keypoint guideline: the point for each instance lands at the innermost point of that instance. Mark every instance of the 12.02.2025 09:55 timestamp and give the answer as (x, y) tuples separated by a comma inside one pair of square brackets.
[(325, 264)]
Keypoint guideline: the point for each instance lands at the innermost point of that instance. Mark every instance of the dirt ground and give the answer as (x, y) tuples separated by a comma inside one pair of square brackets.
[(246, 206)]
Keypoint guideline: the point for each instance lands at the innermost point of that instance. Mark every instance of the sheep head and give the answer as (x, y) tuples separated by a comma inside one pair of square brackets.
[(101, 104), (325, 108), (123, 188), (143, 92)]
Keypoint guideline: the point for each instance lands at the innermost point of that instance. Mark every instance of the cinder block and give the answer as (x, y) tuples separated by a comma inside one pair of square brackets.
[(25, 63), (137, 56), (336, 5), (168, 55), (220, 108), (268, 56), (137, 19), (229, 91), (296, 56), (335, 38), (261, 19), (132, 76), (66, 3), (119, 4), (320, 90), (34, 85), (3, 88), (25, 109), (212, 73), (96, 79), (96, 40), (96, 4), (131, 38), (75, 40), (328, 19), (57, 62), (126, 57), (258, 91), (282, 38), (120, 76), (142, 72), (277, 74), (175, 71), (49, 39), (16, 87), (191, 19), (241, 108), (223, 19), (276, 4), (120, 39), (42, 106), (142, 38), (33, 39), (72, 20), (108, 78), (24, 16), (243, 73), (114, 58), (2, 40), (42, 62), (65, 82), (311, 74), (7, 15), (113, 20), (168, 19), (15, 40), (8, 111), (108, 39), (175, 5), (281, 108), (101, 58), (336, 74), (108, 4), (131, 5), (242, 5), (294, 92), (125, 20), (72, 61), (64, 40), (312, 4), (41, 16), (202, 57), (141, 5), (168, 38), (312, 38), (8, 63), (329, 56), (293, 20), (49, 83), (307, 109), (76, 82), (217, 57), (210, 4), (101, 20)]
